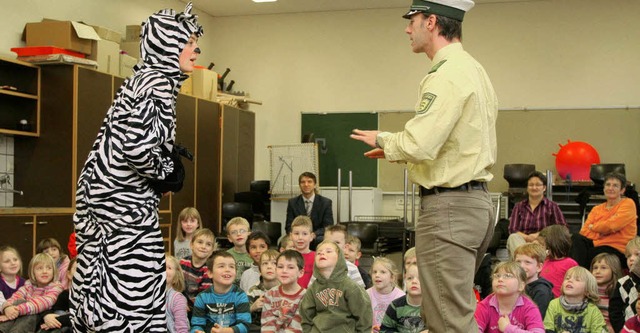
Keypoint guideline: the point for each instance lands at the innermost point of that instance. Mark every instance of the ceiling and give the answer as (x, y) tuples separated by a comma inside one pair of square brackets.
[(248, 7)]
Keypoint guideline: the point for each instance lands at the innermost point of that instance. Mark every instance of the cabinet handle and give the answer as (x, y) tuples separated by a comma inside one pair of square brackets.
[(27, 223), (43, 222)]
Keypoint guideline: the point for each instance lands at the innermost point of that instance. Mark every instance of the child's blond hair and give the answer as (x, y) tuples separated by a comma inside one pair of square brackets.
[(185, 214), (355, 242), (532, 250), (42, 259), (283, 242), (4, 249), (511, 267), (411, 253), (389, 265), (205, 232), (633, 244), (177, 283), (302, 221), (238, 221), (590, 283), (613, 262)]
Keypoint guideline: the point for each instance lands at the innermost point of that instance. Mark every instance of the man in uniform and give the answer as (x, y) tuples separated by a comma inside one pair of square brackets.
[(449, 146)]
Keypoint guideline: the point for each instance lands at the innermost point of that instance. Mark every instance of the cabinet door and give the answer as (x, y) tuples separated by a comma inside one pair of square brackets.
[(58, 227), (208, 164), (18, 232), (166, 227), (185, 136)]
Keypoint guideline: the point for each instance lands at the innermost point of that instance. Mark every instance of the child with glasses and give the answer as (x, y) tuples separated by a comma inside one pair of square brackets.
[(238, 230), (508, 309)]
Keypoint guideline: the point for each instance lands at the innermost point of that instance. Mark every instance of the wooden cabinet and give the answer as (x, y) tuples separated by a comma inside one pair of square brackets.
[(76, 99), (24, 230), (19, 98)]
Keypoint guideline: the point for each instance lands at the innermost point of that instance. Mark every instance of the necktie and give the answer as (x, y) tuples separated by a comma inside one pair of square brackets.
[(307, 206)]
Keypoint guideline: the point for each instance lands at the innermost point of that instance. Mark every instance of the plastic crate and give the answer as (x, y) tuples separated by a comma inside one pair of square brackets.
[(44, 50)]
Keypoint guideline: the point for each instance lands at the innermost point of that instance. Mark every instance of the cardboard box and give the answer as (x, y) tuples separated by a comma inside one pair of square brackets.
[(107, 54), (132, 48), (133, 33), (187, 86), (126, 65), (205, 83), (70, 35), (108, 34)]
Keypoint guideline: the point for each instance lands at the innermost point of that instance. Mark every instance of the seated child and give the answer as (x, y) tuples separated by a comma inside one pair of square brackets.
[(256, 244), (302, 236), (576, 309), (268, 280), (557, 241), (223, 307), (238, 229), (52, 247), (285, 244), (606, 268), (352, 254), (177, 318), (58, 316), (410, 258), (280, 310), (22, 309), (531, 256), (194, 267), (625, 295), (189, 221), (403, 314), (384, 290), (334, 303), (632, 325), (507, 309), (337, 233), (10, 271)]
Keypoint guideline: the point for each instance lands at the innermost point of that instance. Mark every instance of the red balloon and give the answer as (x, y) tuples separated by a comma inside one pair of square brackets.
[(573, 160)]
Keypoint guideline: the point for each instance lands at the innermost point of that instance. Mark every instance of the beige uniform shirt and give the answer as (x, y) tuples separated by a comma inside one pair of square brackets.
[(452, 138)]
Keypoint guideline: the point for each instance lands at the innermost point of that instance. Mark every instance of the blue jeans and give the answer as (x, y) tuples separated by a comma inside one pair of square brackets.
[(452, 235)]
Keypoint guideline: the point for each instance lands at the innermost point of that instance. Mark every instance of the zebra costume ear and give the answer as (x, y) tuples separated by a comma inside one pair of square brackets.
[(190, 19)]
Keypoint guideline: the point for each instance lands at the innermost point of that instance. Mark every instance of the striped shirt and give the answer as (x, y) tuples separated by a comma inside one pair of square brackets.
[(402, 317), (524, 220), (37, 299), (280, 312), (196, 279)]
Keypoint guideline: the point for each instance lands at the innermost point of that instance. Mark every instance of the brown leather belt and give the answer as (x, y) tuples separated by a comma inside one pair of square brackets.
[(472, 185)]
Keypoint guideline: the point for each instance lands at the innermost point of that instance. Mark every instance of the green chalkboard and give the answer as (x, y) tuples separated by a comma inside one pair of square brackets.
[(339, 150)]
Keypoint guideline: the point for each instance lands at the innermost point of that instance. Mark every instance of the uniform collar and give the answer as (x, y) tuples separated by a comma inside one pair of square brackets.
[(444, 52)]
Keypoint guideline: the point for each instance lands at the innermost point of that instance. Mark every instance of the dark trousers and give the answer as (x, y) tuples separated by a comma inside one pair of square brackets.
[(583, 251)]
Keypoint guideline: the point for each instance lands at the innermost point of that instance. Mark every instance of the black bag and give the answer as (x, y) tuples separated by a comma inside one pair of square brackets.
[(174, 181)]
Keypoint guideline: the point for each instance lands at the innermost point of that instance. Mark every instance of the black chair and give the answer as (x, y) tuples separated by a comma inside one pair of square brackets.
[(255, 200), (236, 209), (271, 229), (263, 187), (599, 171), (368, 235), (516, 175)]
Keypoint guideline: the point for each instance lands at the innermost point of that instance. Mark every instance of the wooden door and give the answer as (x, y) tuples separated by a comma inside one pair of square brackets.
[(208, 164), (18, 232)]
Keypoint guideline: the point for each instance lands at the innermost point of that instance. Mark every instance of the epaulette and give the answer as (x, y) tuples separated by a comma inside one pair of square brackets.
[(435, 68)]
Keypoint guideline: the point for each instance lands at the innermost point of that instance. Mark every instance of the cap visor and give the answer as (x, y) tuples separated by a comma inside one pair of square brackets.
[(410, 13)]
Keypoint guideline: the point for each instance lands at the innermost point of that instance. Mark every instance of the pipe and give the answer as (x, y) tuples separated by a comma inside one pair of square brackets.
[(350, 194), (338, 194)]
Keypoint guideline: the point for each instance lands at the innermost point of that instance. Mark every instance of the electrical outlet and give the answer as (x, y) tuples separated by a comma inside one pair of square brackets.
[(399, 203)]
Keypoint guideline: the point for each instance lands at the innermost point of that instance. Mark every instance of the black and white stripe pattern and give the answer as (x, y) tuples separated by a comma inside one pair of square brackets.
[(119, 285)]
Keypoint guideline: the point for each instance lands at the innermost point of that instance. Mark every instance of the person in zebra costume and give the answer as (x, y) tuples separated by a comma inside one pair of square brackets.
[(120, 285)]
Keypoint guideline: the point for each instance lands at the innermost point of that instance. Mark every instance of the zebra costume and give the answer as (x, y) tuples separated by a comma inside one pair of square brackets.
[(119, 285)]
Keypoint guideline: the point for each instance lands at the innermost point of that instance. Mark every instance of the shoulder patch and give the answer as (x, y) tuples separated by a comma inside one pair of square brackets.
[(426, 102), (436, 66)]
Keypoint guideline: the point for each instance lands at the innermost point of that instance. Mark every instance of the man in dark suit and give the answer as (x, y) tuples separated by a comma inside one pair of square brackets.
[(311, 204)]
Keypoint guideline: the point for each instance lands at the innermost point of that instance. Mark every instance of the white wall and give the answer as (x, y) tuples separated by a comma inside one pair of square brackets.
[(570, 53)]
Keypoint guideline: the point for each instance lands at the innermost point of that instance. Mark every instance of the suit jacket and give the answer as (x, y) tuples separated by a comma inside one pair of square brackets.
[(321, 213)]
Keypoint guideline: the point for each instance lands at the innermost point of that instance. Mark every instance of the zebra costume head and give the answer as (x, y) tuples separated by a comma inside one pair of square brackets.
[(163, 36)]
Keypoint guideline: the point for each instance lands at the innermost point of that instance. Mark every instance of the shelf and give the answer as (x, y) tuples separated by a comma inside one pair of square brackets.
[(18, 94), (20, 104)]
